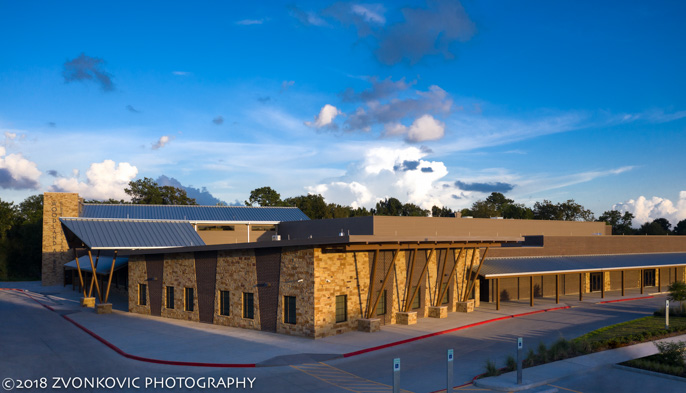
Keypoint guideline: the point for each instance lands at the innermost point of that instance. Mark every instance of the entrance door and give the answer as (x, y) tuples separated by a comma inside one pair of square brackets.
[(596, 282), (649, 278)]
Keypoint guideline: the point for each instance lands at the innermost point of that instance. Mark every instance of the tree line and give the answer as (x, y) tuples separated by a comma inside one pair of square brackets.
[(21, 225)]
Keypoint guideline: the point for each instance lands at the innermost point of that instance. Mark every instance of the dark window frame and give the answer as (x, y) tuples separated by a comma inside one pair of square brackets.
[(289, 310), (381, 304), (189, 299), (341, 308), (170, 297), (142, 294), (225, 303), (248, 305), (416, 302)]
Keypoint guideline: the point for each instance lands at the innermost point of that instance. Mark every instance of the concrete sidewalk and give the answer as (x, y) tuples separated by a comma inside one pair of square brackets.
[(164, 339), (547, 373)]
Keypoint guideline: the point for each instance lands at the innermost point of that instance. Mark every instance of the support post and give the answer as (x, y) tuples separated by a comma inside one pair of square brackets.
[(476, 276), (370, 313), (531, 290), (93, 277), (602, 285), (622, 282), (396, 375), (421, 277), (450, 277), (449, 374), (109, 281), (581, 286), (520, 346), (557, 289), (439, 280), (640, 279), (659, 280), (497, 293), (78, 268), (372, 278), (408, 287), (468, 273)]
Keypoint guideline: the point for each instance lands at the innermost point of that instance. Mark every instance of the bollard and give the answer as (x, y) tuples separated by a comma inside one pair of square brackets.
[(449, 382), (396, 375), (667, 314), (520, 345)]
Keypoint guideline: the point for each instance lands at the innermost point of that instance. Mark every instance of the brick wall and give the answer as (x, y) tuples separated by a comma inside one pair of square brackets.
[(55, 250)]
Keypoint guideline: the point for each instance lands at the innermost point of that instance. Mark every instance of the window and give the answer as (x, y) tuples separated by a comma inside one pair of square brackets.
[(415, 301), (188, 301), (381, 305), (262, 228), (216, 228), (224, 303), (289, 309), (248, 305), (142, 294), (170, 297), (341, 308), (445, 297)]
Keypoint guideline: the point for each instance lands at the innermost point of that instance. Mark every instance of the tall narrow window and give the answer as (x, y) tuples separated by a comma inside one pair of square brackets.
[(289, 309), (142, 294), (381, 305), (224, 303), (341, 308), (188, 301), (170, 297), (248, 305), (415, 301), (445, 297)]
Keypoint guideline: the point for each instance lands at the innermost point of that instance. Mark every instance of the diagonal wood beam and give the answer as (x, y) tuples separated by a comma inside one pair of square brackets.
[(452, 274), (78, 268), (370, 289), (109, 281), (421, 277), (439, 278), (408, 287), (476, 276), (97, 287), (370, 312), (468, 275)]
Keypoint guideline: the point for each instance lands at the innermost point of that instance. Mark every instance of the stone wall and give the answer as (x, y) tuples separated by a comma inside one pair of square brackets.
[(236, 273), (55, 250), (138, 275), (179, 272), (297, 264)]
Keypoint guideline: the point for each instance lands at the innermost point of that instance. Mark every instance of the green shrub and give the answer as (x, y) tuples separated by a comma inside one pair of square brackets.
[(491, 369), (510, 363), (671, 353)]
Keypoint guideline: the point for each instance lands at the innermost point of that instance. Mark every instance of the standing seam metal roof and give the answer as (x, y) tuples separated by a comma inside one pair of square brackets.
[(194, 213), (494, 267), (127, 234)]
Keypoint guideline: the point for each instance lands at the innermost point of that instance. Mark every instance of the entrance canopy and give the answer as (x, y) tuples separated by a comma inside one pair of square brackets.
[(84, 264), (528, 266)]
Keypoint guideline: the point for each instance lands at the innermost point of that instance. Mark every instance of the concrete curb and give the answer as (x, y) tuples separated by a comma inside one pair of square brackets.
[(648, 372)]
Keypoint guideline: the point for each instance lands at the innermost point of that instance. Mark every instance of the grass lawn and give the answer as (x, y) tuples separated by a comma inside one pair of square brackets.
[(639, 330)]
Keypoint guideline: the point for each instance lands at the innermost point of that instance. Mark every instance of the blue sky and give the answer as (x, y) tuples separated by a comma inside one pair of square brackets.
[(432, 102)]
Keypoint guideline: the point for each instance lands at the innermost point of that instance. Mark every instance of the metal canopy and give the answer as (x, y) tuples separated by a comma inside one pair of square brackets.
[(120, 262), (194, 213), (513, 267), (113, 234)]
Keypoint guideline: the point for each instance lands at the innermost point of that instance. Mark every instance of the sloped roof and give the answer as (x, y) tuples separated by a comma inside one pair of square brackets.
[(115, 234), (524, 266), (194, 213), (104, 265)]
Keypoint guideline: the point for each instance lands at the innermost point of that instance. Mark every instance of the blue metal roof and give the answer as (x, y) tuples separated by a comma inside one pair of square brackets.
[(520, 266), (103, 234), (104, 264), (194, 213)]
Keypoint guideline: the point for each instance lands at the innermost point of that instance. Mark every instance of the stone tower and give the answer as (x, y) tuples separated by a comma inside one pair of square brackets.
[(55, 249)]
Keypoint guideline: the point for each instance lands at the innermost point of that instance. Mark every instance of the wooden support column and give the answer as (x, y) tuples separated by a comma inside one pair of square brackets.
[(622, 282), (371, 282), (476, 276), (468, 275), (94, 278), (581, 286), (640, 279), (531, 290), (452, 274), (109, 281), (421, 277), (371, 312), (78, 268), (408, 287), (602, 285), (497, 293), (557, 289), (659, 280), (439, 279)]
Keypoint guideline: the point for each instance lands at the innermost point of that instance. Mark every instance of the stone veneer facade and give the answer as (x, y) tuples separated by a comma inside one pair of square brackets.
[(313, 276), (55, 249)]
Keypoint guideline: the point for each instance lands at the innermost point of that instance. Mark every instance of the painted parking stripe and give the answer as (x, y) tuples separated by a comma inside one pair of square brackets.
[(344, 379)]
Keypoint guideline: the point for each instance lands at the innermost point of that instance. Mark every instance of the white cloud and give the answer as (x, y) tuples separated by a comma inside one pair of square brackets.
[(425, 128), (325, 117), (104, 180), (181, 73), (645, 210), (248, 22), (370, 12), (16, 172), (163, 141)]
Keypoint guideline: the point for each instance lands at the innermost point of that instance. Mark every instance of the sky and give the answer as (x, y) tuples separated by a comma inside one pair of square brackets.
[(435, 102)]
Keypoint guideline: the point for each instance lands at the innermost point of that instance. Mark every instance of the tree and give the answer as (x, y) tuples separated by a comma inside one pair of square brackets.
[(492, 206), (621, 223), (146, 191), (565, 211), (410, 209), (313, 206), (677, 291), (388, 207), (518, 211), (680, 228), (441, 211), (264, 196), (658, 227)]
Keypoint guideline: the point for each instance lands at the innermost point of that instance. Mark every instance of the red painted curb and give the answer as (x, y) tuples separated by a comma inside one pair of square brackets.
[(626, 300), (409, 340), (134, 357)]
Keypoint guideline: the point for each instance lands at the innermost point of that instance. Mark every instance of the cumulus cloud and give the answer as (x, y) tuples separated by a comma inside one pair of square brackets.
[(218, 120), (307, 18), (645, 209), (485, 187), (380, 89), (367, 18), (325, 117), (104, 180), (87, 69), (162, 142), (17, 173), (388, 172), (425, 128)]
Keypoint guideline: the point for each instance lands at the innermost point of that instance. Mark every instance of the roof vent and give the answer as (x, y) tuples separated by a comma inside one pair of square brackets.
[(276, 238), (341, 233)]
